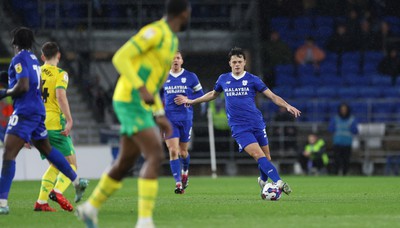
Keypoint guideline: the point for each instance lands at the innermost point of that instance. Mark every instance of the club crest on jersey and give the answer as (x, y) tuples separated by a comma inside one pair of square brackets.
[(18, 68), (244, 82), (183, 80)]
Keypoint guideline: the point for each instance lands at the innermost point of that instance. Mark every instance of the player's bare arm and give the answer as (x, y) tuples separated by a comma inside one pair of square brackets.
[(282, 103), (64, 106), (21, 87), (212, 95)]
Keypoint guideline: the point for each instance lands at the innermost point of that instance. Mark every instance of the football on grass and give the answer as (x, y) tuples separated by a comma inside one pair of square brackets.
[(271, 191)]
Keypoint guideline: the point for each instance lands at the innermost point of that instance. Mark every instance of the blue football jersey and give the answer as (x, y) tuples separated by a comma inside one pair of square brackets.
[(184, 83), (25, 64), (240, 98)]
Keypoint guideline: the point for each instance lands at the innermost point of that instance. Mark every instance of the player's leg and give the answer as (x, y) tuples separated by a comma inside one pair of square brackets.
[(57, 158), (185, 136), (12, 145), (185, 160), (175, 164), (48, 179), (151, 147), (110, 182)]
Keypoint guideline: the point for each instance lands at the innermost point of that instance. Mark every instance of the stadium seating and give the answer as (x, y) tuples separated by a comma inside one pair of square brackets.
[(326, 92), (304, 92)]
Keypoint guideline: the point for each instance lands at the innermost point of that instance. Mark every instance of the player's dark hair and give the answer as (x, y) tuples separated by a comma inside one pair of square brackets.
[(180, 52), (236, 51), (50, 49), (347, 114), (23, 38), (175, 7)]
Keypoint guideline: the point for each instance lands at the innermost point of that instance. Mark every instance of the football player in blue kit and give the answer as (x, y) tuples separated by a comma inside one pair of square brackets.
[(185, 83), (26, 124), (245, 120)]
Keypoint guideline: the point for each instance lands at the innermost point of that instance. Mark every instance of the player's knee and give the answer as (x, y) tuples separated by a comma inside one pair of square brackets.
[(173, 152), (184, 153)]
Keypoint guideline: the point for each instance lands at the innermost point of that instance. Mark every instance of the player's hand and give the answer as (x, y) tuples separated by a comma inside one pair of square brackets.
[(180, 99), (67, 129), (164, 125), (3, 93), (293, 111), (146, 96)]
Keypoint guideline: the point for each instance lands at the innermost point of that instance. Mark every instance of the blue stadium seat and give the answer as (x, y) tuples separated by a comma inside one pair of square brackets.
[(391, 92), (286, 80), (286, 92), (347, 92), (321, 21), (303, 22), (382, 112), (370, 92), (331, 80), (373, 56), (309, 80), (304, 92), (370, 68), (381, 80), (317, 112), (326, 92), (360, 111), (324, 32), (285, 68), (305, 70), (355, 80), (331, 57), (328, 68), (392, 20), (333, 107), (268, 110), (352, 56), (350, 68)]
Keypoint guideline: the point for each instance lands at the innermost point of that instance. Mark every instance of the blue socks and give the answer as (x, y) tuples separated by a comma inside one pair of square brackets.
[(263, 176), (185, 162), (176, 169), (57, 158), (269, 169), (7, 176)]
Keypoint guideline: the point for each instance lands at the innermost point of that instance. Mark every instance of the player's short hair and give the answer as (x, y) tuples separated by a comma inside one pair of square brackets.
[(236, 51), (23, 38), (180, 52), (50, 49), (175, 7)]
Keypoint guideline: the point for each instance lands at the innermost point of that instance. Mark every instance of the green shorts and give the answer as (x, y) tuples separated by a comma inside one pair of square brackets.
[(133, 117), (61, 143)]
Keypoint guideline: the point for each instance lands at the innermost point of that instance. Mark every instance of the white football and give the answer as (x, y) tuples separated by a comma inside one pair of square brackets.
[(271, 191)]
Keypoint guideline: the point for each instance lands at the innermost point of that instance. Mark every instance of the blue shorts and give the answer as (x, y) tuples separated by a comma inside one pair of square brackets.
[(27, 128), (245, 135), (181, 130)]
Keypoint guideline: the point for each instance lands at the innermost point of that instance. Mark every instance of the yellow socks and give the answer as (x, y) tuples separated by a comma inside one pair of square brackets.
[(147, 189), (104, 189), (63, 181), (48, 180)]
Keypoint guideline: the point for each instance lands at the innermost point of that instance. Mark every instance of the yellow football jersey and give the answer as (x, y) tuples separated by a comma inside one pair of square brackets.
[(145, 60), (53, 78)]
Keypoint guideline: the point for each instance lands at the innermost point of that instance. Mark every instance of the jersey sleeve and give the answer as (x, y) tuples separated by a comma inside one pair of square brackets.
[(197, 88), (259, 85), (21, 68), (218, 85), (147, 38), (62, 80)]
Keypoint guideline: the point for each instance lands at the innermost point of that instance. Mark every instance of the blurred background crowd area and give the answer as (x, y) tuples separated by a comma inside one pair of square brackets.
[(316, 54)]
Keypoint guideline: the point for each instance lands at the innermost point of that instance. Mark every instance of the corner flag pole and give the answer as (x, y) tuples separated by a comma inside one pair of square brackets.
[(212, 144)]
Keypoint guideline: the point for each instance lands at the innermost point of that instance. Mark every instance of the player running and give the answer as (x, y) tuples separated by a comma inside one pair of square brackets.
[(186, 83), (58, 124), (27, 121), (245, 120), (143, 63)]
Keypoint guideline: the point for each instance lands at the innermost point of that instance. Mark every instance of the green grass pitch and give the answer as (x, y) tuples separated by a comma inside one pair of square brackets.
[(231, 202)]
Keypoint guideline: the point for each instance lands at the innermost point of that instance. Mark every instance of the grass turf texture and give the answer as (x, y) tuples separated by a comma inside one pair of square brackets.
[(231, 202)]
